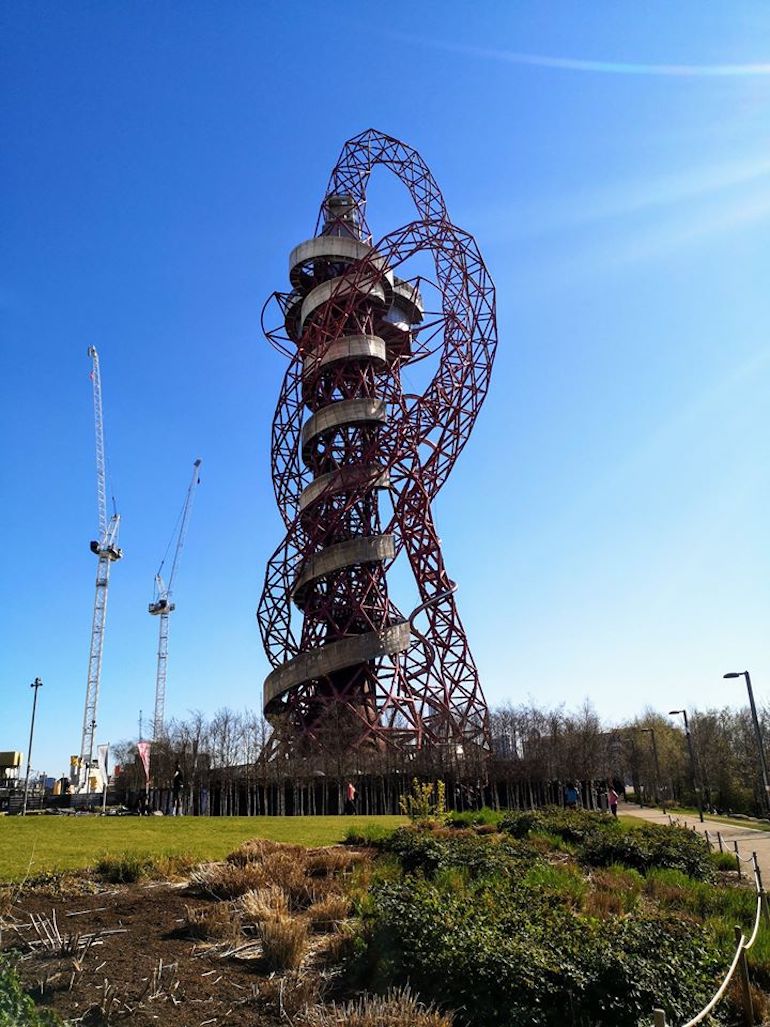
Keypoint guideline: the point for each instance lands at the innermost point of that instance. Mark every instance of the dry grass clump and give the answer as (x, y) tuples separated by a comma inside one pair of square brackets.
[(339, 945), (759, 999), (306, 876), (256, 849), (291, 993), (325, 914), (284, 941), (174, 866), (316, 889), (225, 880), (287, 870), (397, 1009), (665, 892), (614, 890), (332, 860), (603, 903), (280, 868), (213, 923), (262, 904)]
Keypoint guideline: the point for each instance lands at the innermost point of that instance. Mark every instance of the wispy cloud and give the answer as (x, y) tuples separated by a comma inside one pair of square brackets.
[(644, 194), (562, 212), (594, 258), (748, 70)]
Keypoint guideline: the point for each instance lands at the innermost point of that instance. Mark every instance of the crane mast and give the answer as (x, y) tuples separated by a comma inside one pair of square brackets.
[(162, 605), (107, 550)]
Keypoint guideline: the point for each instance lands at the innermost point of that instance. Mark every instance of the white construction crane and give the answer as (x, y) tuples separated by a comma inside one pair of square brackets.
[(106, 548), (162, 605)]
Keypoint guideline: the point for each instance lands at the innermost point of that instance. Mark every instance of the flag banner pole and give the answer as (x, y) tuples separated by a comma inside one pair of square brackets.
[(144, 754), (102, 756)]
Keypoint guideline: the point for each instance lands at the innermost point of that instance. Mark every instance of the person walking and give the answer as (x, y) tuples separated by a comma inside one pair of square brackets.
[(177, 787), (350, 798), (571, 796), (612, 797)]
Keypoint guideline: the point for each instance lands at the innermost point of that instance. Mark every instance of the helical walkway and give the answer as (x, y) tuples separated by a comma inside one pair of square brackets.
[(357, 462)]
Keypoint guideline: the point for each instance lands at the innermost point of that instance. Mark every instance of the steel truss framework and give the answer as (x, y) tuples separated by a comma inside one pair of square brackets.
[(348, 667)]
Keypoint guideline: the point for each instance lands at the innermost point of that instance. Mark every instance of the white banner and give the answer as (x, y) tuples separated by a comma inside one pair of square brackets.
[(102, 752), (144, 755)]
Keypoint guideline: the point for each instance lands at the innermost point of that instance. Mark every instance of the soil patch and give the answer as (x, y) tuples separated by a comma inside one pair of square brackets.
[(125, 954)]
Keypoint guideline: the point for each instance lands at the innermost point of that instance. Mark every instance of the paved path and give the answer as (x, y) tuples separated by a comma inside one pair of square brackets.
[(749, 838)]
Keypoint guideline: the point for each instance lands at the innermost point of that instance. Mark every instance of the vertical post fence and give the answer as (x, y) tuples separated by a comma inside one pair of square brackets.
[(743, 965), (761, 888), (739, 963)]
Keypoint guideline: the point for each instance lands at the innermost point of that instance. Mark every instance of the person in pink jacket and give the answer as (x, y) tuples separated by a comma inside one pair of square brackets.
[(612, 799)]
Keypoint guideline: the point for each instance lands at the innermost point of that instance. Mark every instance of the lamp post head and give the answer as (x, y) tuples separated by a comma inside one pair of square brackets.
[(672, 713), (736, 674)]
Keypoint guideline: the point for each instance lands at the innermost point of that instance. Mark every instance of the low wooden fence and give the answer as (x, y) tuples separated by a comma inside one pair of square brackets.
[(740, 962)]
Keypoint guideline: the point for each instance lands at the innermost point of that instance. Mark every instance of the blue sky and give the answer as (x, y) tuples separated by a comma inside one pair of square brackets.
[(607, 523)]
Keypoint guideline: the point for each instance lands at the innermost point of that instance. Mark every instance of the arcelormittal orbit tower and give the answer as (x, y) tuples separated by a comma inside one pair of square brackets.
[(357, 460)]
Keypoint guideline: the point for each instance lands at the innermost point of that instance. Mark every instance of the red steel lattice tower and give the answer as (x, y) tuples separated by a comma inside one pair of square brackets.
[(357, 462)]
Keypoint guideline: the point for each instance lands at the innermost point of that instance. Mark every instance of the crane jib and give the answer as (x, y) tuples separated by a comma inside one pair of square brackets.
[(162, 605)]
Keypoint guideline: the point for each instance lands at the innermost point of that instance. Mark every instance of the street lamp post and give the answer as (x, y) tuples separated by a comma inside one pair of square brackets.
[(37, 683), (651, 732), (755, 718), (693, 765)]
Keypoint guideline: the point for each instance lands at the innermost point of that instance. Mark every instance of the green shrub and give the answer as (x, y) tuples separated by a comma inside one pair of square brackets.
[(545, 842), (723, 860), (124, 868), (425, 802), (576, 825), (563, 882), (418, 851), (658, 960), (16, 1008), (675, 890), (647, 846), (367, 834), (572, 825), (759, 960), (507, 956), (603, 840), (475, 818), (488, 927), (427, 852), (128, 867), (519, 823)]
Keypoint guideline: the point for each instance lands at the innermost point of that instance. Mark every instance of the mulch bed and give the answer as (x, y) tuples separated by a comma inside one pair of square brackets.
[(140, 967)]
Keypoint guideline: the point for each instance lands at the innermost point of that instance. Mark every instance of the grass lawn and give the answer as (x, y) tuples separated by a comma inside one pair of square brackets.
[(40, 844), (758, 825)]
